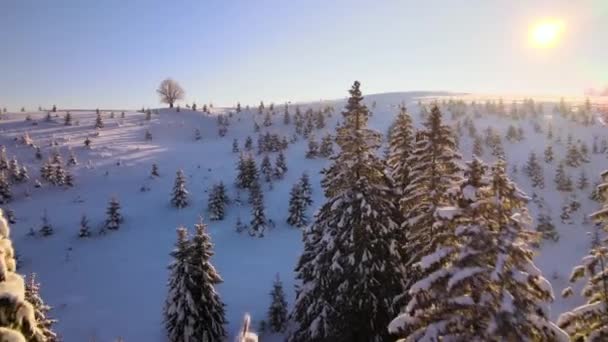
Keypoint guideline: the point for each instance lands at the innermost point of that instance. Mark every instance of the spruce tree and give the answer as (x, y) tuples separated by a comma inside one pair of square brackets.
[(68, 119), (562, 180), (217, 202), (114, 217), (350, 271), (534, 171), (546, 228), (582, 182), (5, 189), (247, 172), (573, 157), (41, 310), (480, 283), (235, 146), (277, 312), (258, 223), (193, 310), (84, 230), (99, 120), (297, 207), (313, 148), (266, 168), (280, 168), (400, 145), (306, 189), (549, 154), (180, 193), (286, 116), (154, 172), (589, 322), (326, 149), (248, 144), (18, 316), (477, 146)]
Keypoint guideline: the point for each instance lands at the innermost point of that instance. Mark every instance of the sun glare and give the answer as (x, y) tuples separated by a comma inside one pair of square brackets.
[(546, 33)]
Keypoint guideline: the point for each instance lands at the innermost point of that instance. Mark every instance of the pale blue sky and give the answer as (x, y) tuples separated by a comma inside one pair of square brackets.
[(113, 53)]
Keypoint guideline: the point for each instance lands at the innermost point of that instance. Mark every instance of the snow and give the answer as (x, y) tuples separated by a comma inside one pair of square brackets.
[(89, 281)]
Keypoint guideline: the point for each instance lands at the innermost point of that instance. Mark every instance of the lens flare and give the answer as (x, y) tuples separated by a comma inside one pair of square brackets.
[(546, 33)]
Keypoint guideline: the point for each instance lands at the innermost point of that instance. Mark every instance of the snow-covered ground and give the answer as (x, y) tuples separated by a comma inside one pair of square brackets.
[(114, 285)]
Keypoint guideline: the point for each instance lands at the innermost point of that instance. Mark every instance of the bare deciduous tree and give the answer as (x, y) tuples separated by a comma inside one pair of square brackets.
[(170, 91)]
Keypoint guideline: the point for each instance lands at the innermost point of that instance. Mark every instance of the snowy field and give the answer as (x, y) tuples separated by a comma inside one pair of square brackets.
[(114, 285)]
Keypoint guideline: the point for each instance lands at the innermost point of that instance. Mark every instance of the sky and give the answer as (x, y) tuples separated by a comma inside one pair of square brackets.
[(114, 53)]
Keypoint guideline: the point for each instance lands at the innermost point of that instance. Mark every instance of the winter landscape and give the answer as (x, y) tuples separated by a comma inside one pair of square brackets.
[(361, 216)]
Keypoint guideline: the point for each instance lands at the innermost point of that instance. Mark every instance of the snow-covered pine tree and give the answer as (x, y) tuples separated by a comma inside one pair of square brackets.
[(582, 182), (258, 223), (154, 172), (248, 144), (297, 207), (84, 230), (562, 180), (306, 188), (5, 189), (573, 156), (277, 312), (17, 315), (326, 148), (180, 308), (46, 229), (434, 168), (266, 168), (280, 166), (320, 120), (401, 143), (113, 218), (349, 271), (217, 202), (41, 310), (87, 142), (480, 283), (313, 147), (286, 116), (267, 120), (477, 146), (589, 322), (98, 120), (534, 171), (179, 198), (247, 172), (548, 154), (67, 119), (235, 146)]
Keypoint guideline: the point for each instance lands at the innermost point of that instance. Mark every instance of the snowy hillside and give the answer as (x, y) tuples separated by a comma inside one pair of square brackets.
[(114, 284)]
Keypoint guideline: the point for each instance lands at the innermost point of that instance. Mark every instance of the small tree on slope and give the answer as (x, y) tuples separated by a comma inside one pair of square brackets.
[(589, 322), (297, 207), (349, 270), (114, 218), (277, 312), (180, 194), (480, 283)]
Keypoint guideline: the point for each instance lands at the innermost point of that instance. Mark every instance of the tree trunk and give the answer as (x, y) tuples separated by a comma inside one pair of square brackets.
[(170, 104)]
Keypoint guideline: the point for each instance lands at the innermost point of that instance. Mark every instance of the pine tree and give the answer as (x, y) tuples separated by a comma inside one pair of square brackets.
[(68, 119), (267, 120), (562, 180), (582, 181), (258, 223), (306, 189), (38, 153), (535, 172), (247, 172), (313, 148), (546, 228), (349, 270), (41, 310), (114, 218), (217, 202), (84, 231), (266, 168), (5, 189), (235, 146), (280, 167), (99, 120), (573, 157), (297, 207), (477, 146), (46, 229), (87, 142), (68, 180), (277, 312), (320, 120), (327, 146), (589, 322), (549, 154), (400, 145), (248, 144), (480, 283), (286, 116), (197, 134), (18, 316), (180, 193)]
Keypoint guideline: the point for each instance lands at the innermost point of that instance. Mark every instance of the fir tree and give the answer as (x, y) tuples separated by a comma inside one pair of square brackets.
[(277, 312), (306, 188), (258, 223), (247, 172), (99, 120), (197, 134), (154, 172), (400, 145), (573, 157), (546, 228), (267, 120), (297, 207), (477, 147), (5, 189), (582, 182), (84, 231), (87, 142), (18, 321), (41, 310), (535, 172), (562, 180), (320, 120), (180, 193), (549, 154), (589, 322), (349, 270), (480, 283), (327, 146), (266, 168), (235, 146), (38, 153), (280, 167), (217, 202), (67, 121), (286, 116), (313, 148), (113, 218), (248, 144), (46, 229)]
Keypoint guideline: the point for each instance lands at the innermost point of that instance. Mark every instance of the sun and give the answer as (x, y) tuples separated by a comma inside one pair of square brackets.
[(546, 33)]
